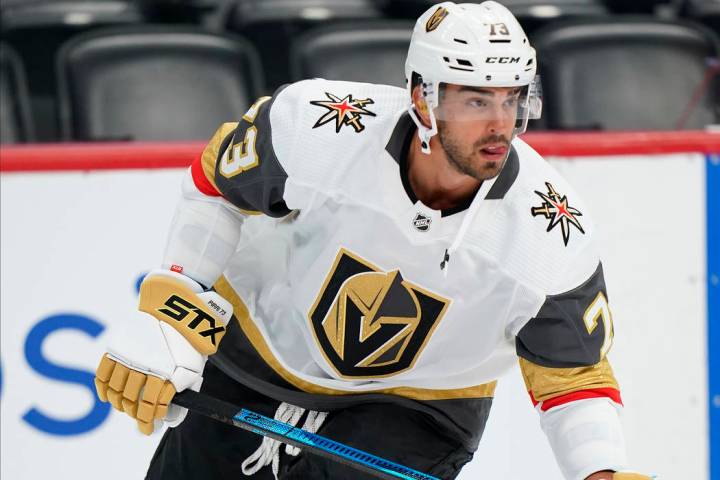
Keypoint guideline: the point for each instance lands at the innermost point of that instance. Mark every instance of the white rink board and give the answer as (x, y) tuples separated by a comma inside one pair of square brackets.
[(74, 244)]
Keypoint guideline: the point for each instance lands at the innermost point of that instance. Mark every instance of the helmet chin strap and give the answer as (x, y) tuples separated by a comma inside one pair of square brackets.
[(424, 132), (430, 97)]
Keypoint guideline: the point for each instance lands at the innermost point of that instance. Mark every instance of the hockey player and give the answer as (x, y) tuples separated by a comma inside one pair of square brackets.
[(400, 250)]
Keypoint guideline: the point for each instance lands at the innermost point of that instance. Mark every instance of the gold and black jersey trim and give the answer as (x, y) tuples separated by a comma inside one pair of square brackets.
[(546, 383), (253, 334), (259, 185)]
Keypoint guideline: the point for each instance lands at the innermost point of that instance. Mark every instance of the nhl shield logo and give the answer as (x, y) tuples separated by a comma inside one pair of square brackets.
[(421, 222), (369, 323)]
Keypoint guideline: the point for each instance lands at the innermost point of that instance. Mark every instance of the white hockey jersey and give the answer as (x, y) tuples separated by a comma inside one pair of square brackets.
[(338, 289)]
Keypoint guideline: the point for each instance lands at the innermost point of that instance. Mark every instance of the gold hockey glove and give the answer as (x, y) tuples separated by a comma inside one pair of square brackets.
[(163, 351)]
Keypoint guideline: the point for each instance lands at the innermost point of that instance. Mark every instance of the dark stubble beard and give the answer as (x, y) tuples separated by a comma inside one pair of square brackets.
[(463, 161)]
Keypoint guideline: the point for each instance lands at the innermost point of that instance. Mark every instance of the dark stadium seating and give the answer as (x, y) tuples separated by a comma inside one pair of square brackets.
[(15, 120), (37, 28), (637, 6), (154, 83), (18, 14), (531, 13), (272, 24), (251, 12), (177, 11), (555, 8), (366, 52), (705, 11), (628, 73), (354, 40)]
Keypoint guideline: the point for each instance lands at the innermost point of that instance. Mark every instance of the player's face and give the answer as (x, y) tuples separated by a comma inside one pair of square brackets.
[(475, 127)]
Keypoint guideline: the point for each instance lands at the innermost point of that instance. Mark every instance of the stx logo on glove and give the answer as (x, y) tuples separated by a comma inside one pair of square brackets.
[(172, 302), (179, 308)]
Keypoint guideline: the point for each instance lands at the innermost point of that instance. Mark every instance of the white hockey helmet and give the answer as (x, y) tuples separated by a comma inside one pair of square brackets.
[(479, 45)]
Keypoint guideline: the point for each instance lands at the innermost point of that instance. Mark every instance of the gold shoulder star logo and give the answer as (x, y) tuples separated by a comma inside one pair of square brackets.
[(346, 111), (555, 207)]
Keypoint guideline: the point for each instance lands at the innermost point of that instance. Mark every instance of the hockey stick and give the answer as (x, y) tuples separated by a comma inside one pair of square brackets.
[(297, 437)]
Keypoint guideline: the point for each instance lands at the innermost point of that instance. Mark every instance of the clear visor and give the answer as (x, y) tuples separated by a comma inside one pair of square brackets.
[(507, 104)]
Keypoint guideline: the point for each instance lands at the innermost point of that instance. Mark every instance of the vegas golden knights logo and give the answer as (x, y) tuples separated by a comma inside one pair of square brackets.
[(369, 323), (437, 17)]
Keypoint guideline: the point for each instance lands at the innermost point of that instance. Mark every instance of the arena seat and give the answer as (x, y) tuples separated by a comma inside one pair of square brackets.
[(637, 6), (366, 52), (37, 28), (705, 11), (530, 13), (154, 83), (272, 24), (15, 120), (19, 14), (628, 73), (555, 8)]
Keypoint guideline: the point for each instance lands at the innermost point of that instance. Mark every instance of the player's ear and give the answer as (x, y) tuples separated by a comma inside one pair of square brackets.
[(421, 106)]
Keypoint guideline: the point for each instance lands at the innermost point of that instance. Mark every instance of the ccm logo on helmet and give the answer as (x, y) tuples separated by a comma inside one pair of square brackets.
[(502, 60), (179, 308)]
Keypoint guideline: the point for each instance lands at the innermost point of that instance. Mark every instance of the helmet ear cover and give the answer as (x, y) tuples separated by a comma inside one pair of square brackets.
[(417, 85), (425, 103)]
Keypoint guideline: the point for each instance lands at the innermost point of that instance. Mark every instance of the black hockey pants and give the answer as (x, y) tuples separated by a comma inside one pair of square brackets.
[(204, 449)]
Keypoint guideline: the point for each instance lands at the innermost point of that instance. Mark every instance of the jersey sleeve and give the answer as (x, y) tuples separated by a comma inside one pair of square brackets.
[(562, 353), (240, 163), (563, 348)]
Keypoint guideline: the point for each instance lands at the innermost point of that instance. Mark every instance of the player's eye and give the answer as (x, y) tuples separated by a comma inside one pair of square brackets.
[(478, 103)]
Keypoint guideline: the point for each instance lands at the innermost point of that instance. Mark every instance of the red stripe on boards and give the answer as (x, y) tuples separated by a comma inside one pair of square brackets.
[(97, 156), (141, 155)]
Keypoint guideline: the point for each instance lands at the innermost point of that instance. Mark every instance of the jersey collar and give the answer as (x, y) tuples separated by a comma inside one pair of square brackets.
[(399, 145)]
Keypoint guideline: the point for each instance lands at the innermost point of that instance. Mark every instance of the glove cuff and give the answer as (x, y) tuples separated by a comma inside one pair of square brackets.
[(179, 301), (187, 281)]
